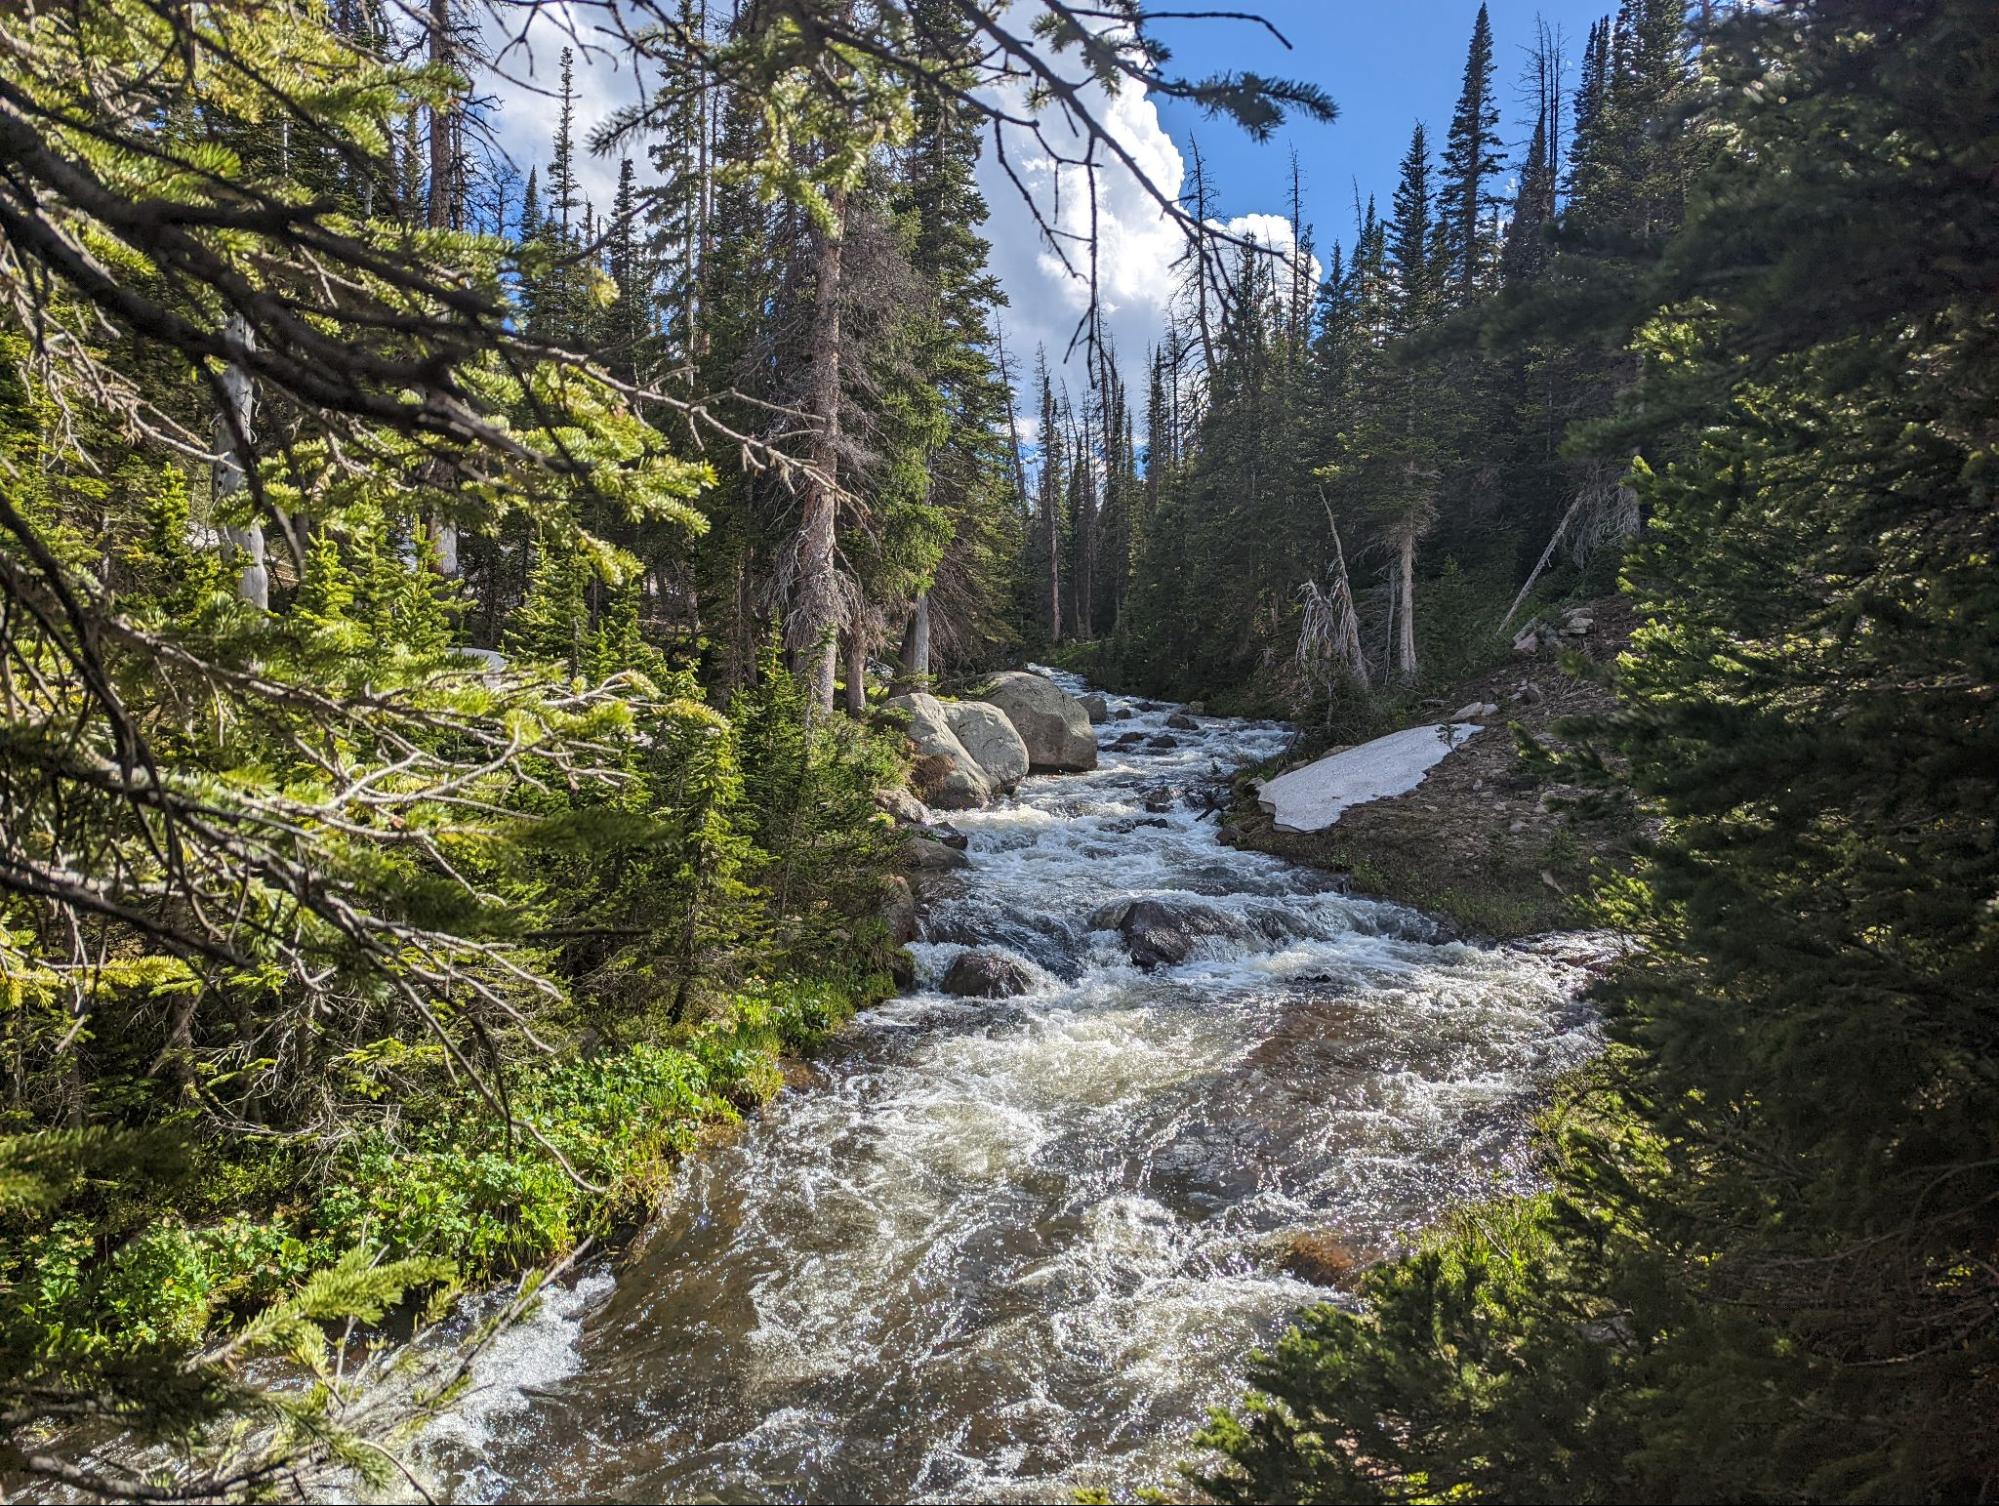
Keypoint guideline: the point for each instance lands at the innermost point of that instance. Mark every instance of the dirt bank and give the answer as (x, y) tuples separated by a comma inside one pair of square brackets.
[(1481, 842)]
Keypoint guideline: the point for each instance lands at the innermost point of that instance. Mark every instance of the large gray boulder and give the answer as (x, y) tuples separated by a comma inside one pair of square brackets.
[(1050, 722), (1166, 931), (985, 733), (987, 975), (948, 777)]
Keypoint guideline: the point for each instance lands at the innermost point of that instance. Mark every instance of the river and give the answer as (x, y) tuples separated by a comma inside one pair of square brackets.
[(1003, 1249)]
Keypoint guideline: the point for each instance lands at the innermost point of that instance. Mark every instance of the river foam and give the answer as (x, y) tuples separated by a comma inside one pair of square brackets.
[(1008, 1248)]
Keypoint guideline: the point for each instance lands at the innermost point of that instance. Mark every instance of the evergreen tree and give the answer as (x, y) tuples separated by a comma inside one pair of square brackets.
[(1470, 169)]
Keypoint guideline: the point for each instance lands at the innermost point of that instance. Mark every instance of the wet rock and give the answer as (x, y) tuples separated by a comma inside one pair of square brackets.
[(1161, 800), (1322, 1259), (1162, 740), (1182, 722), (1096, 708), (949, 835), (1122, 714), (1052, 725), (902, 967), (904, 807), (898, 909), (947, 775), (1127, 740), (986, 734), (987, 975), (1166, 931), (1229, 835), (925, 854)]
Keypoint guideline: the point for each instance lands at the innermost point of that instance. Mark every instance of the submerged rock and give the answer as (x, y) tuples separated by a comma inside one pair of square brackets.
[(1166, 931), (1182, 722), (1127, 740), (1052, 724), (1162, 740), (987, 975), (1322, 1259)]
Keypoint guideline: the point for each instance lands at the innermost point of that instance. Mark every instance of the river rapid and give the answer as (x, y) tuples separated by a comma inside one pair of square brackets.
[(1003, 1249)]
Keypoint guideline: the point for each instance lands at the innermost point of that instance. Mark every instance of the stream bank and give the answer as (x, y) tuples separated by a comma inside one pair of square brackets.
[(1484, 842)]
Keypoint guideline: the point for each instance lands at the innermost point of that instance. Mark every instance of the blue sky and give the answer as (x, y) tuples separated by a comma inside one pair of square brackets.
[(1386, 65)]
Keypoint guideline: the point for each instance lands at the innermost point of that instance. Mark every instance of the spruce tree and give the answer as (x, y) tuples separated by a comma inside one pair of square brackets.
[(1469, 172)]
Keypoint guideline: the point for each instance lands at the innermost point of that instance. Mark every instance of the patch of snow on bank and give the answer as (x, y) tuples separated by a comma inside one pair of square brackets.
[(1314, 797)]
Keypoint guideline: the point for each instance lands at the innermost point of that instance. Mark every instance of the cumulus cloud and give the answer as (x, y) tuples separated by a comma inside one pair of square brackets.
[(1142, 263), (1140, 250)]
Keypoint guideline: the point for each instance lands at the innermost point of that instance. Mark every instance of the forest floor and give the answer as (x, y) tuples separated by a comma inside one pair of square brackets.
[(1484, 841)]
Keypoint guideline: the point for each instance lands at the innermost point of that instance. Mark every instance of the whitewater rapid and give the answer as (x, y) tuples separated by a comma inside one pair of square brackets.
[(1004, 1249)]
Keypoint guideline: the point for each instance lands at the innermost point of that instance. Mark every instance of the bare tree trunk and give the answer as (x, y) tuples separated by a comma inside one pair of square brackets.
[(1405, 622), (816, 612), (232, 429), (857, 666), (916, 646), (443, 533)]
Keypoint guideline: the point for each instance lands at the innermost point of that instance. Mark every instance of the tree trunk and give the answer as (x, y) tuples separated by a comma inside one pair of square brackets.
[(816, 613), (443, 533), (916, 647), (857, 667), (1405, 622), (253, 583)]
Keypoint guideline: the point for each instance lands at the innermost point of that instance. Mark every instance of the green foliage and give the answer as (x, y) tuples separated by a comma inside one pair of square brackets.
[(1761, 1270)]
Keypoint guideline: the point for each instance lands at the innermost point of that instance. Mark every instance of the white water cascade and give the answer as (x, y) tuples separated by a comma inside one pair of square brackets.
[(1003, 1249)]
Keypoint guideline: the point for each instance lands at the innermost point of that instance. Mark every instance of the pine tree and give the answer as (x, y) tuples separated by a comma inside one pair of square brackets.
[(1412, 242), (1470, 169)]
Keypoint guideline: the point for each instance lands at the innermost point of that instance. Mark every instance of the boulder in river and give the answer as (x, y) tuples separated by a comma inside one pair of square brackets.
[(1127, 740), (1122, 714), (1162, 740), (1181, 722), (1166, 931), (985, 733), (987, 975), (1095, 707), (927, 853), (898, 909), (1050, 722), (948, 776), (1322, 1259), (1160, 799)]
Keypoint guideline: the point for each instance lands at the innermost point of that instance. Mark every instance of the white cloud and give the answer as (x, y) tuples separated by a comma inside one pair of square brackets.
[(1137, 242), (1139, 268)]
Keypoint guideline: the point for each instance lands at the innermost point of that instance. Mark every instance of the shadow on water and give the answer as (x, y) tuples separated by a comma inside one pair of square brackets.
[(1007, 1248)]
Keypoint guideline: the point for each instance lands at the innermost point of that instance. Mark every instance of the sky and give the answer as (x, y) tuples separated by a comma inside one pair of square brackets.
[(1386, 64)]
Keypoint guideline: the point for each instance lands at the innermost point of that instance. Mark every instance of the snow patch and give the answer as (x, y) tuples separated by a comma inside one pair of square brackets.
[(1314, 797)]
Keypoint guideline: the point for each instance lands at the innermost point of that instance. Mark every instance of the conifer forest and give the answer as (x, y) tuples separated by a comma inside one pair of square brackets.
[(702, 799)]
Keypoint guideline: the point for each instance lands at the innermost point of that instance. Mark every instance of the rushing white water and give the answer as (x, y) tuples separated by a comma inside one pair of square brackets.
[(1006, 1248)]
